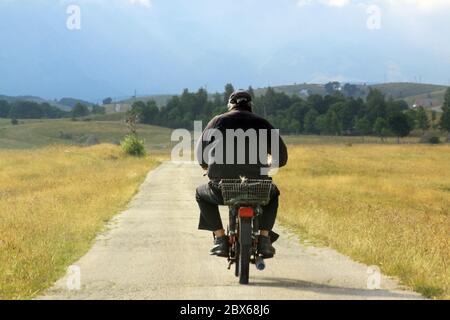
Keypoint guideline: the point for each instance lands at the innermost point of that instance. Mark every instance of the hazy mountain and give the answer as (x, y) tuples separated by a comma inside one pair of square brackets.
[(64, 103), (69, 103)]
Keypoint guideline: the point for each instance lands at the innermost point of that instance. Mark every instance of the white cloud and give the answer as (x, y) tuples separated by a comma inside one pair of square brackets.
[(331, 3), (337, 3), (144, 3), (319, 77), (424, 5), (420, 4)]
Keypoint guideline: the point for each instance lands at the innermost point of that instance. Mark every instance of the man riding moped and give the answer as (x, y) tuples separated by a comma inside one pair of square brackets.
[(241, 119)]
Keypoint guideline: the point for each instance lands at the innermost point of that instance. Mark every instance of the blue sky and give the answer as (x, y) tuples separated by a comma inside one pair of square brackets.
[(163, 46)]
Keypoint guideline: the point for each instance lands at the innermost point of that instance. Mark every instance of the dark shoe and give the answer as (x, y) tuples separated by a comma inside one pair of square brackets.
[(273, 236), (265, 247), (221, 247)]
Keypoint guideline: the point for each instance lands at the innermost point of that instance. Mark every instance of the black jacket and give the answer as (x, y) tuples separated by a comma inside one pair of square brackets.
[(245, 120)]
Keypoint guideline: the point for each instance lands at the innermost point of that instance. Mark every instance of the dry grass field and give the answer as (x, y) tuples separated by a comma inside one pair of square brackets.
[(384, 205), (53, 201), (40, 133)]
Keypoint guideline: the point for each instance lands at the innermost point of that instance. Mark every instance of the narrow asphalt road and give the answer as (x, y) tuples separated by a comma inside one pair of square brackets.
[(153, 250)]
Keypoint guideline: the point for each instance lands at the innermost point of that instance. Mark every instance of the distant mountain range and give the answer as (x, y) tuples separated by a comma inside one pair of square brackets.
[(427, 95), (64, 103)]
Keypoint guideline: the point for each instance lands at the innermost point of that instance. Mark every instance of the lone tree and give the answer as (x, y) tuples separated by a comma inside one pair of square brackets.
[(131, 123), (131, 144), (445, 119), (400, 125)]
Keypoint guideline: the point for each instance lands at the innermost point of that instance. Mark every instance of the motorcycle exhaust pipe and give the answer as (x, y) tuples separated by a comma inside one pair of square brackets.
[(260, 264)]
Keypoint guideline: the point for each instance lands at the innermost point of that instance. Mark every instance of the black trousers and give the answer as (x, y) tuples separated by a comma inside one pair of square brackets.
[(209, 197)]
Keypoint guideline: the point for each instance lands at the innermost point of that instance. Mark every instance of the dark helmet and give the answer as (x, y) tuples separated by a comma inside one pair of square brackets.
[(240, 97)]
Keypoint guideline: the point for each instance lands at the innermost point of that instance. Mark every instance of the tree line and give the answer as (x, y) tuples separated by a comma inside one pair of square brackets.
[(336, 113), (23, 109), (29, 110), (340, 112)]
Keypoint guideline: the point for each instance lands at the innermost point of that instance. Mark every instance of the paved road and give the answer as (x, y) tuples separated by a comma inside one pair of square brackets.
[(154, 251)]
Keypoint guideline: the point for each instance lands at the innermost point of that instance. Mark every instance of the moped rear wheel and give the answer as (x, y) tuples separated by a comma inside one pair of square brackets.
[(245, 248), (244, 264), (236, 267)]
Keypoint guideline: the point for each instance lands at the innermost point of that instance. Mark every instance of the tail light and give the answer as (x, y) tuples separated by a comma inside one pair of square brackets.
[(246, 212)]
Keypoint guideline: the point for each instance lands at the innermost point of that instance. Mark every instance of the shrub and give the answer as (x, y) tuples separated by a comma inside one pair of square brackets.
[(81, 139), (132, 145), (434, 140), (65, 136), (430, 138), (92, 140), (14, 122)]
